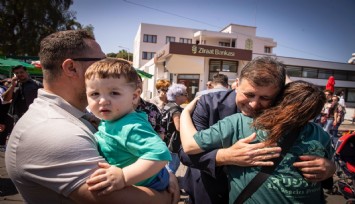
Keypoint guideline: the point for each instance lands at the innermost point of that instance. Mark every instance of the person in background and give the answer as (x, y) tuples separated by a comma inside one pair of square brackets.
[(209, 85), (162, 86), (339, 114), (61, 140), (6, 121), (220, 83), (260, 82), (328, 111), (21, 93), (176, 95), (153, 112), (125, 137), (298, 103)]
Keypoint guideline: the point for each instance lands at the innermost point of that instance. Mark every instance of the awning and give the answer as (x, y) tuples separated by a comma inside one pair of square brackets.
[(7, 64)]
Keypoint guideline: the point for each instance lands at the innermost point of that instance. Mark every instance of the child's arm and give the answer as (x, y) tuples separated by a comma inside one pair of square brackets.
[(110, 178), (141, 170), (187, 129)]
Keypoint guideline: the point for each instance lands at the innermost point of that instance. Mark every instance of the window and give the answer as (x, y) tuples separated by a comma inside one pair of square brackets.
[(170, 39), (324, 73), (186, 40), (150, 38), (340, 75), (249, 44), (294, 71), (309, 72), (267, 49), (224, 44), (217, 66), (229, 66), (351, 95), (147, 55)]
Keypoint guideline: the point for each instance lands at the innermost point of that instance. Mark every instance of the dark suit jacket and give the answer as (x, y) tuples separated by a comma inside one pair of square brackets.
[(204, 182)]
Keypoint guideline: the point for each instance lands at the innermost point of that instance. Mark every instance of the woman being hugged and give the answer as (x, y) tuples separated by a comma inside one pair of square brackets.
[(298, 103)]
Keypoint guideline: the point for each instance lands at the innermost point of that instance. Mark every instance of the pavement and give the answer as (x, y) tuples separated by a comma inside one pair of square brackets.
[(9, 194)]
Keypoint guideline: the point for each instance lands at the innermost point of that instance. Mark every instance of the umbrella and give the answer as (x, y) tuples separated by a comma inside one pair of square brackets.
[(144, 74), (12, 63), (7, 64)]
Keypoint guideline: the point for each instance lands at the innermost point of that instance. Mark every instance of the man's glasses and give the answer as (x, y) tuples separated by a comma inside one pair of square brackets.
[(184, 94), (87, 59), (208, 84)]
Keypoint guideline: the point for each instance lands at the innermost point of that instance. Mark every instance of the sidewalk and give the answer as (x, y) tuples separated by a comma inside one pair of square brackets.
[(9, 195)]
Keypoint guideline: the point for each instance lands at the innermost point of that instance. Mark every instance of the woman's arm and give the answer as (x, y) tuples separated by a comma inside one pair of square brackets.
[(188, 130)]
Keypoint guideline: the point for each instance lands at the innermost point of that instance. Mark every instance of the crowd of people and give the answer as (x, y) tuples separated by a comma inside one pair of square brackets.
[(89, 137)]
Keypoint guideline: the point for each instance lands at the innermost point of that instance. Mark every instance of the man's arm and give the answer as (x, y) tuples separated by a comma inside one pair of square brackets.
[(8, 95), (204, 161), (129, 195)]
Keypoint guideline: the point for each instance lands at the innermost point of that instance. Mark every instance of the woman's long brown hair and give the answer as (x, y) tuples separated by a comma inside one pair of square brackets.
[(299, 102)]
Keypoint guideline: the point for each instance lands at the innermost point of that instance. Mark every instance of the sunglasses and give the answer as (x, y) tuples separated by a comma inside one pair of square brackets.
[(87, 59)]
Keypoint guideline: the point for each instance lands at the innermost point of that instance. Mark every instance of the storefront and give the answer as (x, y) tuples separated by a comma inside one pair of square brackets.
[(194, 65)]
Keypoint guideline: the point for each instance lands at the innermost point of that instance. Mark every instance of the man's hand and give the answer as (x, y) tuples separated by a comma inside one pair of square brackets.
[(174, 188), (106, 179), (244, 154), (315, 168)]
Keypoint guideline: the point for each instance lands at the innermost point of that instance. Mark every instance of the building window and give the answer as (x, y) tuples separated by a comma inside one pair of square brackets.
[(170, 39), (340, 75), (324, 73), (224, 44), (294, 71), (148, 55), (217, 66), (186, 40), (150, 38), (351, 95), (249, 44), (310, 72), (267, 49)]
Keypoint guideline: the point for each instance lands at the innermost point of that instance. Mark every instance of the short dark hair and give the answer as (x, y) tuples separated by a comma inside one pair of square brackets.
[(264, 71), (18, 67), (57, 47), (220, 79)]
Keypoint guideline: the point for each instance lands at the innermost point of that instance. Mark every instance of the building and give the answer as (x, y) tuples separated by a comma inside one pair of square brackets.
[(192, 56)]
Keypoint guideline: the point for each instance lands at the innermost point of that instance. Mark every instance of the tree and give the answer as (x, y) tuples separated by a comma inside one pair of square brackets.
[(24, 23), (125, 55), (111, 54)]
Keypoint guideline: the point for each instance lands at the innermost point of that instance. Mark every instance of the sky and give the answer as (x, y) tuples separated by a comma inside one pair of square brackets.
[(310, 29)]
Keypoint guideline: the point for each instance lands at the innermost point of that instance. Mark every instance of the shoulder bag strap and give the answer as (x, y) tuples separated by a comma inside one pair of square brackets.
[(266, 171)]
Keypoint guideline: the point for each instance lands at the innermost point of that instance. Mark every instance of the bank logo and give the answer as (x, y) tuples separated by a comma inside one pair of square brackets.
[(194, 49)]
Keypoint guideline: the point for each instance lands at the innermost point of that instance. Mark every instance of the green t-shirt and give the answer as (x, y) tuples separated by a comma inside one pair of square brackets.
[(286, 184), (124, 141)]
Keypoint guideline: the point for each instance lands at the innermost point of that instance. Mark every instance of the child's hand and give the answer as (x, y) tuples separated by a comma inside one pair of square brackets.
[(106, 179), (191, 106)]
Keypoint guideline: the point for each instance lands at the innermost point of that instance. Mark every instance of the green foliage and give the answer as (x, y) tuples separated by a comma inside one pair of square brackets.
[(125, 55), (24, 23), (111, 54)]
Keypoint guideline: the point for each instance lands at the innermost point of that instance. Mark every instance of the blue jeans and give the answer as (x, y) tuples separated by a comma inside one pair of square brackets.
[(328, 126), (161, 182), (174, 164)]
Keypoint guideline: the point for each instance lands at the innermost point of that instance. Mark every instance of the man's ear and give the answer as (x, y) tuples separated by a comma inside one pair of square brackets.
[(69, 68)]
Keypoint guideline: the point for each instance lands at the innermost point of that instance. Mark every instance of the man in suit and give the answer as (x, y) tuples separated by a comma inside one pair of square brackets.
[(205, 180)]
